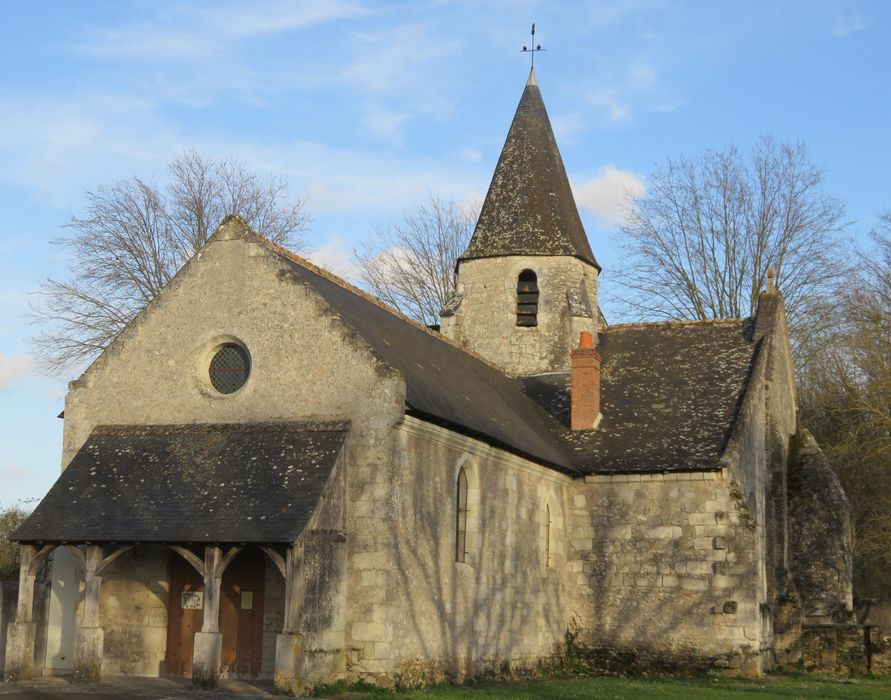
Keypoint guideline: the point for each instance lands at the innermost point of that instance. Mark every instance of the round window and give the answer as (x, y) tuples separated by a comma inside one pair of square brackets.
[(229, 368)]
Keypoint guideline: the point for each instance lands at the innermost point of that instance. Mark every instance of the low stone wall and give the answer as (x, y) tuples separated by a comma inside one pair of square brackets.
[(836, 648)]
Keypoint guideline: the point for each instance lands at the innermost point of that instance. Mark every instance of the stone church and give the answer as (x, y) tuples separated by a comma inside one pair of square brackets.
[(270, 473)]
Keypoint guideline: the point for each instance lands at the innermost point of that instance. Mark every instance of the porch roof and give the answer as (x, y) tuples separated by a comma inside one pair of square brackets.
[(252, 483)]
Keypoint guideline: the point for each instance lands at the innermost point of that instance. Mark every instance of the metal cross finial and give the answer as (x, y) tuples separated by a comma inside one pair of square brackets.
[(535, 47)]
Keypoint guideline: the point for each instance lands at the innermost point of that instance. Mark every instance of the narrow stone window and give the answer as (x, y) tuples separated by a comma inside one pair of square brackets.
[(547, 538), (461, 517), (527, 299)]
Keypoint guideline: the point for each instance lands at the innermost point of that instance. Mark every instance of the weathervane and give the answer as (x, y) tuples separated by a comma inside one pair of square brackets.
[(535, 48)]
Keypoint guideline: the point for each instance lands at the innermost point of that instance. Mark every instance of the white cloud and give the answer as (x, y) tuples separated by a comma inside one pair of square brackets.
[(11, 471), (612, 104), (566, 126), (606, 195), (848, 25), (13, 368), (385, 124), (669, 106), (210, 29), (335, 257), (56, 147), (388, 61)]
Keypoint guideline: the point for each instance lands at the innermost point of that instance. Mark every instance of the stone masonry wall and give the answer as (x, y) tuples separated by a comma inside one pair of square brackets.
[(133, 612), (665, 570), (485, 322), (433, 617), (305, 363)]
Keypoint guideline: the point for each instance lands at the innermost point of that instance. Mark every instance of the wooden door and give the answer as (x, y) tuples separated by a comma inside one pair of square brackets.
[(241, 614), (185, 615)]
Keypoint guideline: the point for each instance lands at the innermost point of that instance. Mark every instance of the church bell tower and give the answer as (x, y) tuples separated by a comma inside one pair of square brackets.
[(527, 283)]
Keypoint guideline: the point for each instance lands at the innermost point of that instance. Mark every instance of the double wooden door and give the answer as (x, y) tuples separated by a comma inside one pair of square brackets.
[(241, 615)]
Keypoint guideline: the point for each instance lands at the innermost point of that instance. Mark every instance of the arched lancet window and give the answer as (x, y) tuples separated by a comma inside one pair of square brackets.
[(527, 299), (547, 538), (461, 517)]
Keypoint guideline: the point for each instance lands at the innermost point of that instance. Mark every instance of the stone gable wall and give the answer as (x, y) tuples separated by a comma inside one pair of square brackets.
[(305, 364), (485, 321), (304, 361)]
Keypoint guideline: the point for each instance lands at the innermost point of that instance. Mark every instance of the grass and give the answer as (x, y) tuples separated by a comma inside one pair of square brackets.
[(663, 688)]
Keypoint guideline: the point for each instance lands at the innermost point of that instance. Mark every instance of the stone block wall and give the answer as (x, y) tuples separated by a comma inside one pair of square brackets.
[(133, 612), (485, 321), (836, 648), (665, 569), (502, 610)]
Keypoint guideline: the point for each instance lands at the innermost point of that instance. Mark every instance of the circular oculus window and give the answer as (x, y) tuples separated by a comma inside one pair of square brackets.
[(229, 368)]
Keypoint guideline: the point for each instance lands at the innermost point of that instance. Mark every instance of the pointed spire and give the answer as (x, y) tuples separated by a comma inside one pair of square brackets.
[(529, 209)]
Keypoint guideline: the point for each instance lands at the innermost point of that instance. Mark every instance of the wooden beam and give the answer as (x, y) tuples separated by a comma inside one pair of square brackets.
[(190, 557), (227, 559), (92, 585), (30, 560), (213, 557), (277, 559), (111, 557)]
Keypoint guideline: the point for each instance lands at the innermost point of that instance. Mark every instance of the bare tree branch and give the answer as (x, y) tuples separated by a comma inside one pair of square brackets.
[(411, 265), (698, 244), (133, 239), (845, 396)]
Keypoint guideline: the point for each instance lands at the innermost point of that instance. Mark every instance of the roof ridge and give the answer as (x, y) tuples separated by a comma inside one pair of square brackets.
[(674, 322), (335, 279), (319, 425)]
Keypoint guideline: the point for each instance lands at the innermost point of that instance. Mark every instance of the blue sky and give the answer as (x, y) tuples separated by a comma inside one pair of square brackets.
[(368, 107)]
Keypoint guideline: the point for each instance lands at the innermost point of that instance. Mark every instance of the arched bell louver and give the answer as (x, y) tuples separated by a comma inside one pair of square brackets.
[(527, 299)]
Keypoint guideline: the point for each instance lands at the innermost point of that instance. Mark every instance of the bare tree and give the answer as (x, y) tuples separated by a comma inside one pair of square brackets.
[(845, 397), (135, 236), (699, 243), (411, 265)]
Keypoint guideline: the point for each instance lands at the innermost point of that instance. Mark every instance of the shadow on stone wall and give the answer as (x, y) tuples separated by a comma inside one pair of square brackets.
[(502, 613)]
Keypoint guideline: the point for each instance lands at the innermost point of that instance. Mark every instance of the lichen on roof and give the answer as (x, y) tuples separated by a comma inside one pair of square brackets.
[(529, 209), (669, 396)]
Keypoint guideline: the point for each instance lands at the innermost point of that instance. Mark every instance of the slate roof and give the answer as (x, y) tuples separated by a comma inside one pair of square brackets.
[(529, 209), (444, 382), (254, 483), (669, 396)]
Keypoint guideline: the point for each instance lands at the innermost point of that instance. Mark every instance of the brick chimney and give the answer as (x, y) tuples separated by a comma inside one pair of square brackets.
[(584, 364)]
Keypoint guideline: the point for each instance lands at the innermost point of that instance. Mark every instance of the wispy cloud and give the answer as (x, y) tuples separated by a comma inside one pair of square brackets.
[(56, 147), (13, 368), (612, 103), (191, 32), (385, 124), (335, 256), (11, 471), (669, 106), (390, 60), (606, 195), (845, 25)]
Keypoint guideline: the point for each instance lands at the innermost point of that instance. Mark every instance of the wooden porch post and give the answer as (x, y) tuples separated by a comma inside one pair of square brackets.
[(289, 644), (209, 641), (89, 639), (20, 634)]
